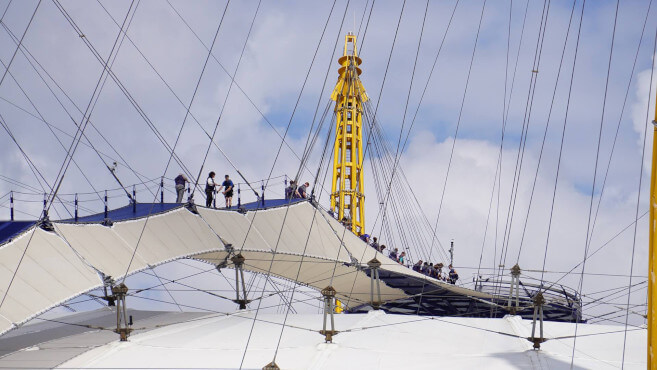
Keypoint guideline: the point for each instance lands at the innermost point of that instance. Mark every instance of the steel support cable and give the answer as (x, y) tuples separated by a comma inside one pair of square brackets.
[(362, 41), (29, 23), (122, 87), (85, 117), (88, 143), (373, 138), (620, 118), (547, 125), (529, 104), (111, 60), (315, 209), (35, 171), (504, 123), (602, 246), (55, 128), (163, 284), (422, 98), (50, 128), (312, 138), (638, 198), (70, 153), (232, 77), (20, 184), (362, 18), (27, 54), (276, 159), (182, 126), (563, 134), (310, 144), (230, 87), (458, 123), (185, 106), (538, 52), (589, 231), (401, 130)]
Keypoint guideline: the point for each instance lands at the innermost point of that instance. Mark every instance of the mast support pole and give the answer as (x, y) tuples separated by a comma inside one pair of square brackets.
[(238, 260), (329, 303), (652, 250)]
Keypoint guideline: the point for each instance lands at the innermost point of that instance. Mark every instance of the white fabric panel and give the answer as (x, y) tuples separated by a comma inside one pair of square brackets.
[(294, 239), (49, 274), (232, 227), (352, 286), (101, 247), (168, 236)]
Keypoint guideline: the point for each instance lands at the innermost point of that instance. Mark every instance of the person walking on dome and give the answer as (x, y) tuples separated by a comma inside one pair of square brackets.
[(209, 189), (180, 181), (228, 192)]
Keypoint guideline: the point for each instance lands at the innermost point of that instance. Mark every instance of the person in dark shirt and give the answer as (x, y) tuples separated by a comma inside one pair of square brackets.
[(375, 243), (453, 276), (180, 181), (393, 254), (418, 266), (301, 191), (228, 192), (209, 189), (289, 191)]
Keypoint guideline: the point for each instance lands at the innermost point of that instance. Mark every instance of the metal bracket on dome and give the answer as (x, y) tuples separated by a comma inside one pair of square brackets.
[(108, 282), (515, 282), (238, 261), (123, 324), (329, 307), (271, 366), (539, 301), (45, 224), (191, 206), (107, 222), (374, 266)]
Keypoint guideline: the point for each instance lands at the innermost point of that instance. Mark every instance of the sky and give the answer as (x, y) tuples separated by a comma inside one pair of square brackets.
[(525, 65)]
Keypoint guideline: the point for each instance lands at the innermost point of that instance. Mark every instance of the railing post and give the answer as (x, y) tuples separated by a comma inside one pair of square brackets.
[(162, 189), (11, 205), (105, 203), (76, 207), (239, 197), (134, 199)]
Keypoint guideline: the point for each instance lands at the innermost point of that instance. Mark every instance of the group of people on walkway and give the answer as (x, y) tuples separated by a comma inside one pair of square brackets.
[(393, 254), (429, 269), (296, 192), (211, 186), (436, 271)]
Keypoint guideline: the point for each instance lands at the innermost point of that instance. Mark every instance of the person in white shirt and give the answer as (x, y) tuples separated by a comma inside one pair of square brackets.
[(209, 189)]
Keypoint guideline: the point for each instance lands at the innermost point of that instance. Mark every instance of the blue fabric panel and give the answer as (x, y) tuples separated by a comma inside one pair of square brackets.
[(269, 203), (10, 229), (127, 212)]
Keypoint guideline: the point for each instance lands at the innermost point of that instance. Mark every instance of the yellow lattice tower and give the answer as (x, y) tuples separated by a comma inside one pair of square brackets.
[(347, 194)]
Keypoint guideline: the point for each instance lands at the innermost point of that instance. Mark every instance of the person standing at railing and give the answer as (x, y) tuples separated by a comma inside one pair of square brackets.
[(180, 181), (228, 192), (209, 189)]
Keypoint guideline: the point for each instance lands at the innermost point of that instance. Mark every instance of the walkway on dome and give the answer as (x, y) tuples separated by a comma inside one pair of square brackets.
[(44, 264)]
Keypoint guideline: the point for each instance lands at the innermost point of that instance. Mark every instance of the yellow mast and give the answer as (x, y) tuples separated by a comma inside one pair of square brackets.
[(347, 189), (652, 259)]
